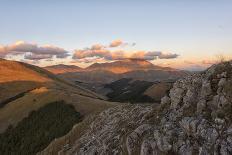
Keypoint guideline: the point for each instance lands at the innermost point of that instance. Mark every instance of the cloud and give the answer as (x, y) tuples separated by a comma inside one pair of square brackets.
[(168, 56), (96, 52), (116, 43), (106, 53), (89, 60), (120, 55), (2, 51), (97, 47), (100, 51), (79, 54), (22, 47), (120, 43), (37, 56)]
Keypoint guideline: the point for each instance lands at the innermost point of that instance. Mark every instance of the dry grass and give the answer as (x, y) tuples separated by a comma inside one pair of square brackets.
[(15, 71)]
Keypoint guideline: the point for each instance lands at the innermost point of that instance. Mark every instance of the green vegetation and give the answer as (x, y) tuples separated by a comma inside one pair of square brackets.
[(126, 90), (34, 133)]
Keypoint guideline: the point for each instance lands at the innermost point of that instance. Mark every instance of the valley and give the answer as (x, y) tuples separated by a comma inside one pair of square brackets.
[(123, 81)]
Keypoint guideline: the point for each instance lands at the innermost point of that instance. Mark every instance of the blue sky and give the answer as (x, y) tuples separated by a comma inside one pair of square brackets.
[(194, 29)]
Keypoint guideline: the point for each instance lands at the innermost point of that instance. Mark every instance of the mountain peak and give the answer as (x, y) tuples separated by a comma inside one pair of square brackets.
[(125, 65)]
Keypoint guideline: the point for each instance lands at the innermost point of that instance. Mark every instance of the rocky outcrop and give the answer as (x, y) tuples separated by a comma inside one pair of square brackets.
[(195, 118)]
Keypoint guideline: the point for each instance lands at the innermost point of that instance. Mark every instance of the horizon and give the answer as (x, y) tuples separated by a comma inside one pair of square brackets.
[(187, 35)]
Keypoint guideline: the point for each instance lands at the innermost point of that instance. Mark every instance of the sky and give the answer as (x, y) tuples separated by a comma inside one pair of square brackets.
[(185, 34)]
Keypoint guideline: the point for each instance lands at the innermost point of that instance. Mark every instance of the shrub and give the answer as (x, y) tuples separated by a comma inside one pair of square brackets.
[(35, 132)]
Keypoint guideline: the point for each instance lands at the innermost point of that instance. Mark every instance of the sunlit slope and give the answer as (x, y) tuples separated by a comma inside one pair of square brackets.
[(16, 71), (24, 88), (17, 77), (129, 68)]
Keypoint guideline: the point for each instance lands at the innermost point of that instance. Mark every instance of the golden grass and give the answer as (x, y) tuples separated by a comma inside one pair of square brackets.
[(15, 71)]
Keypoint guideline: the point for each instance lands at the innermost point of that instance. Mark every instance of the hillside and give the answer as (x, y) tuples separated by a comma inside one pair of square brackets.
[(18, 77), (17, 71), (25, 88), (194, 118)]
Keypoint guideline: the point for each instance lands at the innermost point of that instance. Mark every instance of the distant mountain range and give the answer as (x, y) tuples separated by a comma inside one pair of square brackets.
[(108, 72)]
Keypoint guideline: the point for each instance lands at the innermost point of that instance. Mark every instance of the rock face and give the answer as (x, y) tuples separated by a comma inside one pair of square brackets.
[(195, 118)]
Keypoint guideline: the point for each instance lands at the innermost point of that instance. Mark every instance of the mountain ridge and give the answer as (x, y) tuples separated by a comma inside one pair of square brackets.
[(128, 68), (120, 66)]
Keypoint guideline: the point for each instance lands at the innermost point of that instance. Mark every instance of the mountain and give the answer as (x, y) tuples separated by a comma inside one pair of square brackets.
[(123, 66), (61, 68), (194, 118), (129, 68)]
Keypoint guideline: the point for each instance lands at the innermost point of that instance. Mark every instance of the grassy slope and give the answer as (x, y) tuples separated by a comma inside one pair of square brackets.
[(16, 71), (17, 77)]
